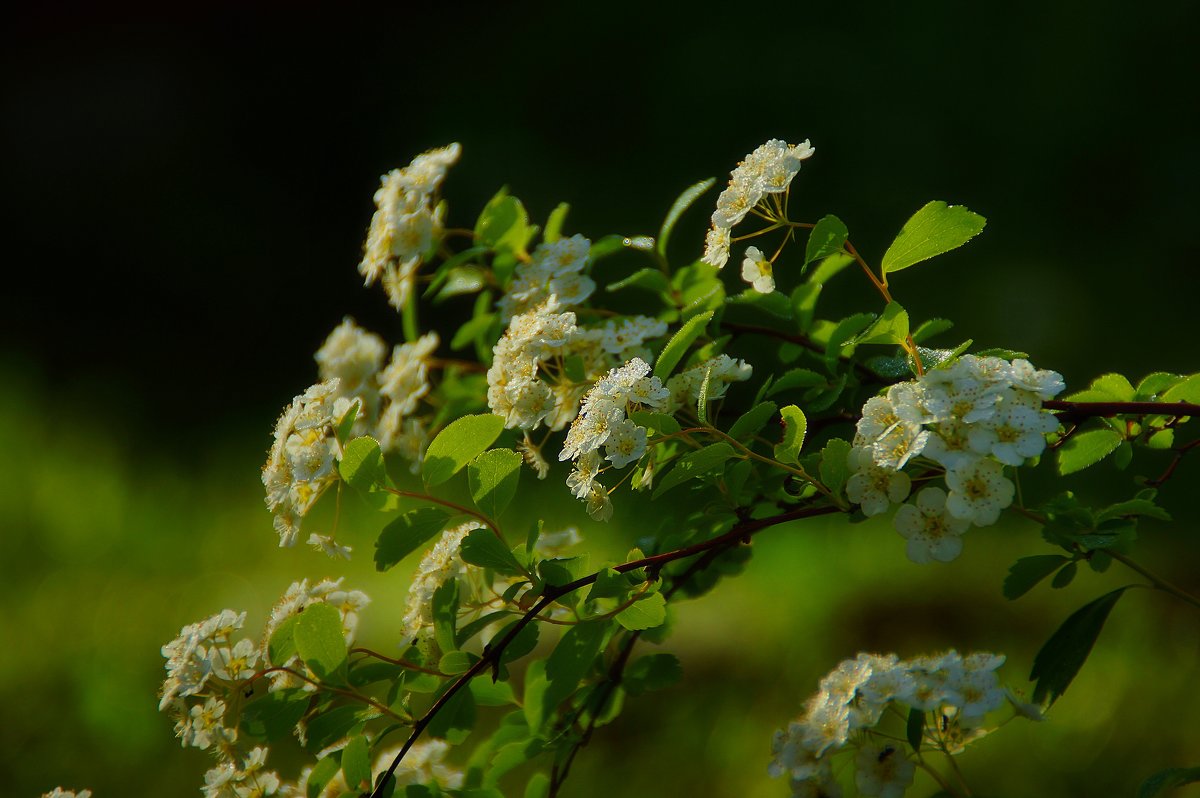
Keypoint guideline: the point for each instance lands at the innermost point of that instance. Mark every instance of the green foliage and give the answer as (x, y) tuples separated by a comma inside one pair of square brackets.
[(1059, 660), (1086, 448), (1026, 572), (319, 640), (934, 229), (647, 612), (482, 548), (493, 476), (675, 349), (503, 224), (752, 421), (825, 239), (457, 445), (795, 426), (700, 463), (1166, 780), (406, 534), (681, 204)]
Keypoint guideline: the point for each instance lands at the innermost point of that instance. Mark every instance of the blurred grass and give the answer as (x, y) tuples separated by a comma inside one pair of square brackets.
[(107, 551)]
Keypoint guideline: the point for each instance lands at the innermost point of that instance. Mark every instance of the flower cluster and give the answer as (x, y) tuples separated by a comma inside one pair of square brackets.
[(719, 372), (59, 792), (862, 695), (300, 465), (768, 170), (406, 223), (423, 764), (555, 269), (206, 675), (968, 420), (603, 421), (439, 565)]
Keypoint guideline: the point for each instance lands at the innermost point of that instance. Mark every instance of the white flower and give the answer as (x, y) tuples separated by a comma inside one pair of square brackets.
[(756, 270), (1045, 384), (978, 492), (932, 532), (625, 444), (883, 770), (329, 547), (439, 565), (351, 354), (1015, 433), (59, 792), (716, 247), (421, 765), (874, 487)]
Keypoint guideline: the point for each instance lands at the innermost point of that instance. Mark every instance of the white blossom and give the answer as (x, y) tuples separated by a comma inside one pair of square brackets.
[(757, 271), (932, 532)]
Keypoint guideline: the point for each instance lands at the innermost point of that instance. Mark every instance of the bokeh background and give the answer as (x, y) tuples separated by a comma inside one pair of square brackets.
[(186, 200)]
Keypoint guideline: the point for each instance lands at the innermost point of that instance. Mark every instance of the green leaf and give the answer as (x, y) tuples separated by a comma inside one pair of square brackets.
[(320, 640), (652, 672), (347, 423), (356, 765), (681, 204), (456, 662), (610, 583), (1060, 659), (482, 548), (702, 397), (934, 229), (1155, 383), (795, 426), (458, 444), (825, 239), (645, 613), (275, 715), (1138, 506), (571, 660), (463, 280), (445, 614), (752, 421), (320, 776), (538, 786), (1086, 448), (362, 464), (845, 330), (797, 378), (695, 464), (655, 423), (1115, 385), (454, 722), (554, 224), (472, 330), (534, 699), (890, 328), (503, 224), (931, 328), (492, 694), (282, 645), (406, 534), (1026, 572), (1168, 779), (1186, 391), (493, 477), (829, 268), (649, 279), (675, 349), (1065, 576), (834, 467), (524, 643), (915, 729)]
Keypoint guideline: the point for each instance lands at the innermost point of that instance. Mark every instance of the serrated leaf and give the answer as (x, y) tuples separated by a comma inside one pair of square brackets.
[(1187, 390), (834, 468), (1025, 573), (362, 464), (458, 444), (931, 328), (1060, 659), (675, 349), (890, 328), (645, 613), (524, 643), (681, 204), (320, 640), (274, 715), (648, 279), (356, 765), (482, 548), (492, 694), (1144, 507), (695, 464), (826, 238), (1115, 385), (406, 534), (846, 329), (796, 425), (656, 423), (493, 477), (934, 229), (753, 420), (1065, 576), (1155, 383), (1168, 779), (1085, 449), (610, 583)]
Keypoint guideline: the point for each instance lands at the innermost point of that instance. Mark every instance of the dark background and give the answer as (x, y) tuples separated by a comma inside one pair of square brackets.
[(186, 199), (188, 195)]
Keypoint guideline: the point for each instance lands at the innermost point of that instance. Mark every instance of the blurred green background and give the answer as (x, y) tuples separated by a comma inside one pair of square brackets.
[(187, 197)]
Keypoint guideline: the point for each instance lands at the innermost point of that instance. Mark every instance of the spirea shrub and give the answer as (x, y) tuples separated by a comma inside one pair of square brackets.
[(857, 417)]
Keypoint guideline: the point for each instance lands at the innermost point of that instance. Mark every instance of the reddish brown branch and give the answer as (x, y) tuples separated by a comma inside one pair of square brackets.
[(1108, 409)]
